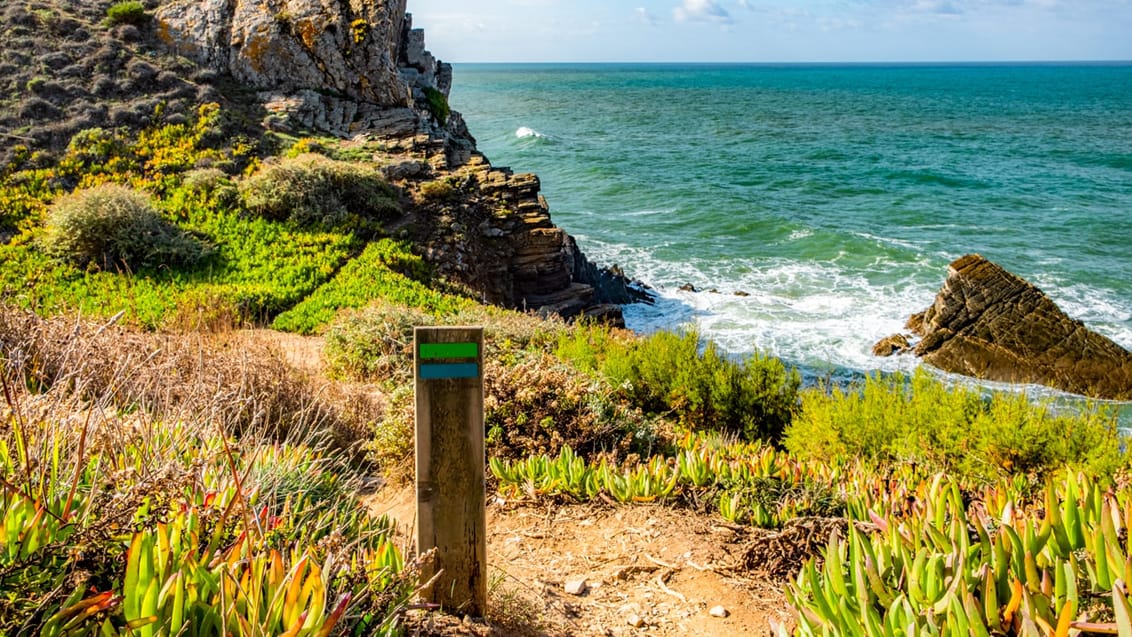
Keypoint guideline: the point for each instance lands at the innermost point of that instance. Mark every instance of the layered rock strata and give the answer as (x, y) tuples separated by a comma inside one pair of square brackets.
[(990, 324), (493, 232)]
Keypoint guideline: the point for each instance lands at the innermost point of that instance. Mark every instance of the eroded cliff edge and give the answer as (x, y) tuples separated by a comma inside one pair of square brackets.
[(359, 71)]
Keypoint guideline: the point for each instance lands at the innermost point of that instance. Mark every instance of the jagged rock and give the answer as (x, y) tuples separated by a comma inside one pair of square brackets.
[(346, 47), (895, 344), (404, 170), (576, 587), (610, 284), (606, 314), (337, 66), (991, 324)]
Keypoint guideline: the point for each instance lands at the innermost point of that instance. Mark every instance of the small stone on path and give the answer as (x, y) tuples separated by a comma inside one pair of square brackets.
[(635, 621), (719, 611), (576, 587)]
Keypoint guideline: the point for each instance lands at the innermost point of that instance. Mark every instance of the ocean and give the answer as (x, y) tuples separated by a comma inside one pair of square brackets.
[(830, 197)]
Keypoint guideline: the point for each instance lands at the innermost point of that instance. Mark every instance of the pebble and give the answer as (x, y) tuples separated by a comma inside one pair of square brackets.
[(635, 621), (719, 611), (576, 587)]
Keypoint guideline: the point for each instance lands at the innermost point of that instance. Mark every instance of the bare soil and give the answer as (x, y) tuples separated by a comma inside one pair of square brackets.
[(647, 570)]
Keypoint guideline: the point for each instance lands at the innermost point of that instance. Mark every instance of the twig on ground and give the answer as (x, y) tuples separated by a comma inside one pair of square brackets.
[(702, 569), (660, 582)]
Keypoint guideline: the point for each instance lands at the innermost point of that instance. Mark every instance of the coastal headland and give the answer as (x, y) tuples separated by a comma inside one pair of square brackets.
[(220, 222)]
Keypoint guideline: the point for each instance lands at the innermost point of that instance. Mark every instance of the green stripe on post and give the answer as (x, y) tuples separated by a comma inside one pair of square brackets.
[(435, 351)]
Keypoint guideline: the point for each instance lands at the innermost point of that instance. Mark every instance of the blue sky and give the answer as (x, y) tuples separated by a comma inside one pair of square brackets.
[(775, 30)]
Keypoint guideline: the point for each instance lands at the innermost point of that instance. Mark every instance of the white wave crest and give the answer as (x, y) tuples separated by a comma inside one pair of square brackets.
[(525, 132), (815, 314)]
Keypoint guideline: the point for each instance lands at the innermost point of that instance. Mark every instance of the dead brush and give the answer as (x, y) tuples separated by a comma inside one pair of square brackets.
[(240, 385)]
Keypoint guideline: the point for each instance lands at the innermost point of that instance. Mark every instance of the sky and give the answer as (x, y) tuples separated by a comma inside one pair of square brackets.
[(775, 30)]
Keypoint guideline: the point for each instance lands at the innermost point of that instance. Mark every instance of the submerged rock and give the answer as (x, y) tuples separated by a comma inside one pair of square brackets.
[(895, 344), (990, 324)]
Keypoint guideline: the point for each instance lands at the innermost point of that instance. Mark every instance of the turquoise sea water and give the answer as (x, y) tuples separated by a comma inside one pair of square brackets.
[(835, 196)]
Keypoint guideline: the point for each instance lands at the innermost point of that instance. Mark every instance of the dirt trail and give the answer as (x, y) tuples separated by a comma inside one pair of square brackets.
[(648, 570)]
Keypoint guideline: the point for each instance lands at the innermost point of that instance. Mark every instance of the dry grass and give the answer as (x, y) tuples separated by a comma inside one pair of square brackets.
[(209, 379)]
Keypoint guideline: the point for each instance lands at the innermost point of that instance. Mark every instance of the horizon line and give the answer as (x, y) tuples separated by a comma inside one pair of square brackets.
[(816, 62)]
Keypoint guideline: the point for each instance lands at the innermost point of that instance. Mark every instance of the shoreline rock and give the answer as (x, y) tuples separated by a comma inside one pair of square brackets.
[(990, 324)]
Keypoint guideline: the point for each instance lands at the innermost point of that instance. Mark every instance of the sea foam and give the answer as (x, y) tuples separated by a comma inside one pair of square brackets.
[(819, 316)]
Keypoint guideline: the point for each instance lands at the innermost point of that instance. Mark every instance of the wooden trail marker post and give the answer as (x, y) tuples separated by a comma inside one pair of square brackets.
[(451, 515)]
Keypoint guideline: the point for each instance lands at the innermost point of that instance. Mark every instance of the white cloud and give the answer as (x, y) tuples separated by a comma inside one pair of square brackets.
[(941, 7), (702, 11), (645, 17)]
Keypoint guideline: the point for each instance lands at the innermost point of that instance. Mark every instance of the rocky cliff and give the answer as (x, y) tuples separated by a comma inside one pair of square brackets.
[(332, 66), (358, 70), (991, 324)]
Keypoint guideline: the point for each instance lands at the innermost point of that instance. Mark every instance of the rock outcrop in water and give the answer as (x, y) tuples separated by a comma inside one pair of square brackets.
[(357, 69), (990, 324)]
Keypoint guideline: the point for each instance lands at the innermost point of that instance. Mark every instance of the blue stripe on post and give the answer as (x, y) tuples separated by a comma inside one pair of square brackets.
[(455, 370)]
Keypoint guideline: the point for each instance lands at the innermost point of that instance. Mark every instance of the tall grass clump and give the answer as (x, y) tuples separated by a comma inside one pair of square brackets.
[(701, 388), (918, 419), (238, 384), (113, 226), (318, 192)]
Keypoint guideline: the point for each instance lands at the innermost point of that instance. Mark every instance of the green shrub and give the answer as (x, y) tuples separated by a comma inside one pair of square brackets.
[(374, 343), (110, 226), (508, 330), (666, 373), (439, 190), (130, 12), (318, 192), (896, 419), (534, 403), (437, 104), (393, 439), (306, 146)]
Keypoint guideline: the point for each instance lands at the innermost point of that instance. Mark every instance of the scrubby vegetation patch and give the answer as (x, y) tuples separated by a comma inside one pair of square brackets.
[(896, 419), (318, 192), (437, 104), (114, 227), (668, 373), (130, 12)]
